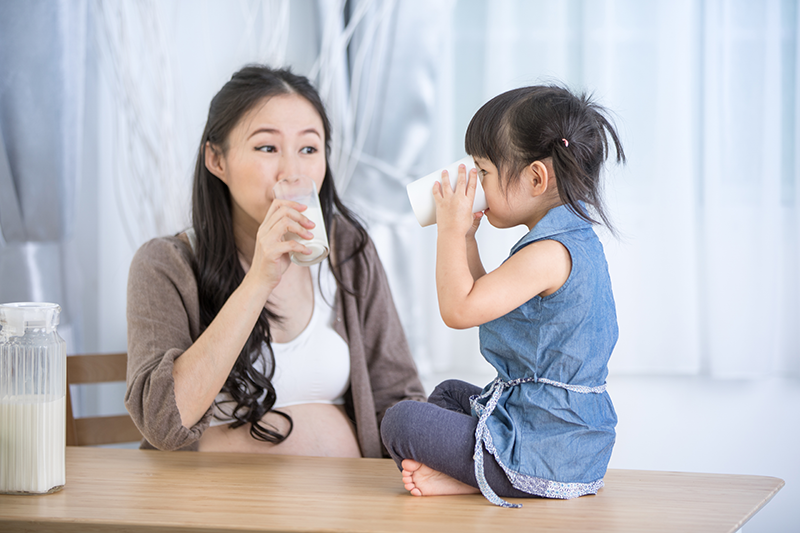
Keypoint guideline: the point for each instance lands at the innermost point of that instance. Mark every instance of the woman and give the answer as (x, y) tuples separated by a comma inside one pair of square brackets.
[(231, 346)]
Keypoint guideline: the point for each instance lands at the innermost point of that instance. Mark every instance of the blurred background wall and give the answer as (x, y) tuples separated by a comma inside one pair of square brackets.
[(102, 104)]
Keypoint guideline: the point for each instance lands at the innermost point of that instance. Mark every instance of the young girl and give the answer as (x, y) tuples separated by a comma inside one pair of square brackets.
[(545, 425)]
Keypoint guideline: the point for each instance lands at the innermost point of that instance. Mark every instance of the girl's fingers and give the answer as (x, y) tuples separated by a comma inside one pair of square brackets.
[(437, 190), (444, 187), (472, 184), (461, 180)]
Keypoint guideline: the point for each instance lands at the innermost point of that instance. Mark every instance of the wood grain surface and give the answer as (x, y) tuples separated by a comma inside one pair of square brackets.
[(135, 491)]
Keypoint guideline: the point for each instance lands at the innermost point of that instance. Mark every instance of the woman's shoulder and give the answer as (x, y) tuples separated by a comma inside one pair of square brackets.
[(170, 253), (348, 238)]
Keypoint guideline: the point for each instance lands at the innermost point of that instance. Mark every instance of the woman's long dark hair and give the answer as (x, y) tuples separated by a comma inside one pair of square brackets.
[(217, 265), (529, 124)]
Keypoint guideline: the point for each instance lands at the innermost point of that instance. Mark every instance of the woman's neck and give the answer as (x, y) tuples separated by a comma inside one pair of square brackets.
[(245, 232)]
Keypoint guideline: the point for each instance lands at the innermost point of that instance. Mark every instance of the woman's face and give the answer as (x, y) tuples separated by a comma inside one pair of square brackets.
[(280, 137)]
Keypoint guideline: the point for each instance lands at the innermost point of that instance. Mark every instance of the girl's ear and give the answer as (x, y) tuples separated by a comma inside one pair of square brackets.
[(538, 177), (215, 162)]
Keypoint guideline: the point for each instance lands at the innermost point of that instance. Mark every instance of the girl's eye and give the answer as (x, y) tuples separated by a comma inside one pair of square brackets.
[(266, 148), (308, 150)]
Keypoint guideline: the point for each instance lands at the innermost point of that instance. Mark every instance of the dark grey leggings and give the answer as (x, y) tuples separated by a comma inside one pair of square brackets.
[(441, 435)]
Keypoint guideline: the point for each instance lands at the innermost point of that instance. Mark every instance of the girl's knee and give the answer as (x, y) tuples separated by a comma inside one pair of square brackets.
[(442, 390), (453, 394), (398, 428), (397, 419)]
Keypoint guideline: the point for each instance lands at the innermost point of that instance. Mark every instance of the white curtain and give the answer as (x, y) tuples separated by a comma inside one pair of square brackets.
[(42, 70), (704, 92), (707, 99)]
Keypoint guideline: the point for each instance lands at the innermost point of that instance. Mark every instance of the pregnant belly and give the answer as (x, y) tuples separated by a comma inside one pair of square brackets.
[(321, 430)]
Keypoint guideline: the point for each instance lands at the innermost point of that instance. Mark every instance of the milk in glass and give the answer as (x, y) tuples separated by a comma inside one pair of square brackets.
[(303, 190)]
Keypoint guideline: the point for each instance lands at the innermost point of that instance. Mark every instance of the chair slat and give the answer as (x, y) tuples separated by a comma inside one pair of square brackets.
[(95, 431), (96, 368), (106, 430)]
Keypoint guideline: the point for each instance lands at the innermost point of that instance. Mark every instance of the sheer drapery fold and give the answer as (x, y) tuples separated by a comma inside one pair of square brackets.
[(706, 97), (705, 94), (43, 65)]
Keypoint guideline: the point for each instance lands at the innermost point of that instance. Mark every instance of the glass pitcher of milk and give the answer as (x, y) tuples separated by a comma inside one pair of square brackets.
[(33, 384)]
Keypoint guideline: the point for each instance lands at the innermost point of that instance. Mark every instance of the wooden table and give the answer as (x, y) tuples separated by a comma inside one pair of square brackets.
[(134, 490)]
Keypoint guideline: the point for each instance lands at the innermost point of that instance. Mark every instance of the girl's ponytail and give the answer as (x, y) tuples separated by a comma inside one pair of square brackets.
[(530, 124)]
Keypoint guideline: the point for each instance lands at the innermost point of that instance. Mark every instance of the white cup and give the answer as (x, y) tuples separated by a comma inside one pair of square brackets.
[(303, 190), (420, 192)]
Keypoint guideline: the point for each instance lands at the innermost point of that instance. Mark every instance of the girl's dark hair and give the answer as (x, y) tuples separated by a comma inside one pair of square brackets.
[(216, 259), (530, 124)]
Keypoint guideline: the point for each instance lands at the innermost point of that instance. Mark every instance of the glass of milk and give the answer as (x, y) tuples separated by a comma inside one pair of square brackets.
[(303, 190), (32, 399), (420, 192)]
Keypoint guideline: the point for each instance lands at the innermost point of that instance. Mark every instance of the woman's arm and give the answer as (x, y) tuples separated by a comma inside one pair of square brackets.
[(174, 371), (202, 370), (163, 321), (204, 367)]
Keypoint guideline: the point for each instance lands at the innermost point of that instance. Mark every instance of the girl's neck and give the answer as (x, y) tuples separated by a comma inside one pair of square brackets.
[(543, 206)]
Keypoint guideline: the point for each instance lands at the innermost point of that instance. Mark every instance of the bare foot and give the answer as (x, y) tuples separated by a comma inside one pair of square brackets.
[(422, 480)]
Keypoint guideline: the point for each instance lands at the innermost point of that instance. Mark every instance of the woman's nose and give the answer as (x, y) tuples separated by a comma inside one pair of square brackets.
[(289, 166)]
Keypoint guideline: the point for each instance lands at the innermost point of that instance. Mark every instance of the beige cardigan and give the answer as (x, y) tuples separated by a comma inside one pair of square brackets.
[(164, 320)]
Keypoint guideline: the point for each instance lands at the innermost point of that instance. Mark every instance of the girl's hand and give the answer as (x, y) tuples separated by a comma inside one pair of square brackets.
[(454, 207), (271, 254), (476, 222)]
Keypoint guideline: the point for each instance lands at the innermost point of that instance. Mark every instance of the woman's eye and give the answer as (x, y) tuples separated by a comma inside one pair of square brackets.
[(308, 150), (267, 148)]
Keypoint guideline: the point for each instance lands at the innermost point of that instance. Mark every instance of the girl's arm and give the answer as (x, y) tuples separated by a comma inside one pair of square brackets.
[(465, 300), (473, 254)]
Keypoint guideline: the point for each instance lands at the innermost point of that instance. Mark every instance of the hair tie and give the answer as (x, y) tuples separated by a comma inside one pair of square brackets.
[(566, 143)]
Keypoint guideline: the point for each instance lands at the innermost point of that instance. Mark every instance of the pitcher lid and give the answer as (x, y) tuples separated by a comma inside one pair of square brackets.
[(16, 317)]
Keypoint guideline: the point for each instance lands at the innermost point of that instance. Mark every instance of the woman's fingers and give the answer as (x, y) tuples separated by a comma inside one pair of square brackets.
[(287, 217), (271, 257)]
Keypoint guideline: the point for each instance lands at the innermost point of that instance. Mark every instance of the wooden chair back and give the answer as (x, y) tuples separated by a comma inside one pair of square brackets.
[(95, 431)]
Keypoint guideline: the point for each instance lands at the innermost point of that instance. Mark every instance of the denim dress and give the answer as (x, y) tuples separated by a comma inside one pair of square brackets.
[(547, 418)]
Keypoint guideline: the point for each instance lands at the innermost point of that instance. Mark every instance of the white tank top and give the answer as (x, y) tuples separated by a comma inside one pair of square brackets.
[(314, 367)]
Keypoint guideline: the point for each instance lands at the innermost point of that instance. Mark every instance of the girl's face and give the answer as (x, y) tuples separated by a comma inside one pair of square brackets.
[(280, 137), (503, 211), (525, 201)]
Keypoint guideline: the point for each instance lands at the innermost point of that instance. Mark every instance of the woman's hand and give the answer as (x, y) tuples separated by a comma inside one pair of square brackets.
[(272, 248), (201, 371), (454, 207)]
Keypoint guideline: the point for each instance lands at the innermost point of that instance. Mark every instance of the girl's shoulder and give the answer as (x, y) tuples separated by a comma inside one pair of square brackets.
[(560, 224)]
